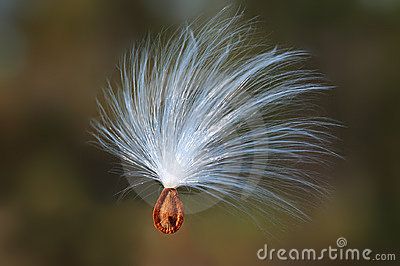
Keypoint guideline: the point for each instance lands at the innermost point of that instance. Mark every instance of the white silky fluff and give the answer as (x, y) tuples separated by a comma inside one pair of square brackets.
[(203, 110)]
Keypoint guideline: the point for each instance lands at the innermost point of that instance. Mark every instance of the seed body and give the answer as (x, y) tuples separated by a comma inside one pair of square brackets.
[(168, 211)]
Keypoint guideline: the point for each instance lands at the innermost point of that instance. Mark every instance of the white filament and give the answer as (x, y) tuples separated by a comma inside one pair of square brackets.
[(203, 110)]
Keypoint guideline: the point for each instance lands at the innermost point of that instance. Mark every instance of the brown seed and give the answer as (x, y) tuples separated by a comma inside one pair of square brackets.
[(168, 211)]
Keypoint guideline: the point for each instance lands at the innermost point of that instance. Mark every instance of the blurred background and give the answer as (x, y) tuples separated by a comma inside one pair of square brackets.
[(57, 195)]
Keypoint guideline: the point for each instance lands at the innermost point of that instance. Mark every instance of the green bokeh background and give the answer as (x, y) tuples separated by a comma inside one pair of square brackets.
[(57, 195)]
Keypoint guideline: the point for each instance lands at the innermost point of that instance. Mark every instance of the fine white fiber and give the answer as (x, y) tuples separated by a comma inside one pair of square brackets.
[(206, 110)]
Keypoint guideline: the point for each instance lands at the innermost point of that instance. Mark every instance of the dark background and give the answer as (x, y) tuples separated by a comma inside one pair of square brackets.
[(57, 195)]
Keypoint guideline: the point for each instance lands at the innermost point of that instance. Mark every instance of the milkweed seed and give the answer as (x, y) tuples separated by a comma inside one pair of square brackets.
[(168, 211)]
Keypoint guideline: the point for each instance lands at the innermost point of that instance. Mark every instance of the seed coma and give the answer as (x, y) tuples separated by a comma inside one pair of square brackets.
[(168, 211)]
